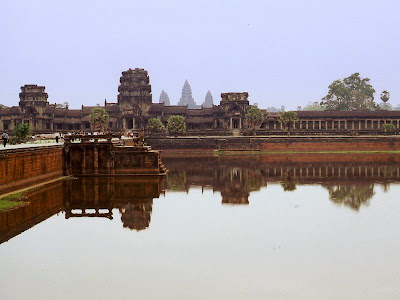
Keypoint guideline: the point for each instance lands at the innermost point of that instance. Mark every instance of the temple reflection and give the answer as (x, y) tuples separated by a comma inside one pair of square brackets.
[(349, 178), (97, 197)]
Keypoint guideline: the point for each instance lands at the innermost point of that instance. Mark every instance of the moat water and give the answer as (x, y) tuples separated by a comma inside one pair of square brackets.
[(256, 227)]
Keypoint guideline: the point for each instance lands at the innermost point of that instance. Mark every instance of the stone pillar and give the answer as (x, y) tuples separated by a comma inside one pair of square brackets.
[(301, 124), (307, 124), (96, 160), (274, 124), (83, 166), (345, 124), (230, 124), (319, 125), (359, 124)]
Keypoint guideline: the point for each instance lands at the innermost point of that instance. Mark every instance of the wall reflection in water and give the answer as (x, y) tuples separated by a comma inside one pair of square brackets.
[(349, 179)]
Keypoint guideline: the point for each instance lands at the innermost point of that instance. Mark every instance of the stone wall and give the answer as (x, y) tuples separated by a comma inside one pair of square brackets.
[(43, 203), (275, 144), (20, 168)]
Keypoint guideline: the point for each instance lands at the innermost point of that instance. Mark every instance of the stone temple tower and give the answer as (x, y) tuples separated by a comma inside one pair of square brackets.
[(33, 102), (187, 98), (164, 98), (209, 101), (134, 98)]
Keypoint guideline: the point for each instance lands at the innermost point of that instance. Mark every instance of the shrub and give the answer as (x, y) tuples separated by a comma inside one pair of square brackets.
[(154, 125), (388, 128), (176, 125), (21, 132)]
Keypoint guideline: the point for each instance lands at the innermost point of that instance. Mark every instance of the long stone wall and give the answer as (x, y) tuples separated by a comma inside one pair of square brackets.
[(20, 168), (275, 144)]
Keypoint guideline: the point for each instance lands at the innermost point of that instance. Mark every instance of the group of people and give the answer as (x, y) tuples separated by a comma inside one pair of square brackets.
[(4, 137)]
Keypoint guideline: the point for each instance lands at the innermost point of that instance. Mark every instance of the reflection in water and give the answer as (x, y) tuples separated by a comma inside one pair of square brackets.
[(349, 181), (97, 197), (351, 195)]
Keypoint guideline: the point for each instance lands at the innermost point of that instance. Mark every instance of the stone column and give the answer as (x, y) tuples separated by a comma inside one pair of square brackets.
[(83, 166), (230, 124), (274, 124), (96, 160), (345, 124), (319, 125)]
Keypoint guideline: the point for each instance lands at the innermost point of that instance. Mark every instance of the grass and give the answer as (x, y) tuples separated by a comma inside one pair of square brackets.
[(11, 201), (6, 205)]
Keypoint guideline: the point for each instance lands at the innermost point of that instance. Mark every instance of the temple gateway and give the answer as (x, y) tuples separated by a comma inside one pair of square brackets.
[(135, 107)]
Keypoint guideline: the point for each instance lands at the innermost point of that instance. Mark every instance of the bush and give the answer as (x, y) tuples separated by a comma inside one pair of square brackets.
[(99, 119), (254, 117), (21, 132), (176, 125), (388, 128), (154, 125)]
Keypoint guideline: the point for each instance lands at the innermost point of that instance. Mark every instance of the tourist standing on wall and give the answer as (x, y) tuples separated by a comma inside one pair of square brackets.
[(4, 136)]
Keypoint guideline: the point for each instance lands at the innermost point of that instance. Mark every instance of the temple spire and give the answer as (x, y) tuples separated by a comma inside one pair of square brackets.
[(187, 98), (208, 101), (164, 98)]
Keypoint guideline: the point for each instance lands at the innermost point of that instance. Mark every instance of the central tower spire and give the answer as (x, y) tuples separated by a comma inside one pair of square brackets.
[(187, 98)]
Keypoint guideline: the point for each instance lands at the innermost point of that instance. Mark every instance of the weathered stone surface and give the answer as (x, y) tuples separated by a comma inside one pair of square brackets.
[(24, 167)]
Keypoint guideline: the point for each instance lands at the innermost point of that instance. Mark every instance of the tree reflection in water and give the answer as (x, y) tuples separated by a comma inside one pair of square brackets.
[(351, 195), (349, 183), (289, 182)]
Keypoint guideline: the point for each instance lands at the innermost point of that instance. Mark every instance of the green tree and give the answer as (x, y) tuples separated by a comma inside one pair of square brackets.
[(313, 106), (176, 125), (287, 119), (385, 95), (154, 125), (254, 117), (22, 131), (351, 93), (99, 119), (388, 128)]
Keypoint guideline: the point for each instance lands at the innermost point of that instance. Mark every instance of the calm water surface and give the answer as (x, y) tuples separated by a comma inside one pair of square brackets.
[(254, 227)]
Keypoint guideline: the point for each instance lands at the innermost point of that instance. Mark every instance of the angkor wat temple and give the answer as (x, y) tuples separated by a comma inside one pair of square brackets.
[(135, 106)]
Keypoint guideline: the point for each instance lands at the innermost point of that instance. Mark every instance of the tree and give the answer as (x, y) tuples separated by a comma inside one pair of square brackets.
[(22, 131), (385, 95), (388, 128), (176, 125), (254, 117), (154, 125), (351, 93), (287, 119), (99, 119), (313, 106)]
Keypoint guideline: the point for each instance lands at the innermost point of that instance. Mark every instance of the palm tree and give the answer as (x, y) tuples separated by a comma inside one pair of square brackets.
[(287, 118)]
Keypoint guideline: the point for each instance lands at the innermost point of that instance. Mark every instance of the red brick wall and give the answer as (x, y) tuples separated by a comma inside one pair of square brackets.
[(331, 146), (22, 167)]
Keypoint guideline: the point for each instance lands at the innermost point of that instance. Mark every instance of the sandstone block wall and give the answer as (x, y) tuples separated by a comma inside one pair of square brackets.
[(20, 168)]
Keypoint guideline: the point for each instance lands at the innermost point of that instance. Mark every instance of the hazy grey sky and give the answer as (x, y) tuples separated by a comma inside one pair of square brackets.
[(281, 52)]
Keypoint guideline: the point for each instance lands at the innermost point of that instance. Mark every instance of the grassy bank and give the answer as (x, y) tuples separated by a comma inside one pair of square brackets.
[(12, 201)]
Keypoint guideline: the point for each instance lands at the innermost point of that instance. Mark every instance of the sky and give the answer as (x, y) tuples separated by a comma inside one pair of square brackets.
[(280, 52)]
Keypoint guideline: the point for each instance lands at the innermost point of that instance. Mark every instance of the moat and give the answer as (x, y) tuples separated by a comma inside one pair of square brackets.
[(238, 227)]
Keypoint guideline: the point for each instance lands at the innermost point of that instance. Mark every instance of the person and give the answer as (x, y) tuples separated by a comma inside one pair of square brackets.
[(57, 138), (4, 136)]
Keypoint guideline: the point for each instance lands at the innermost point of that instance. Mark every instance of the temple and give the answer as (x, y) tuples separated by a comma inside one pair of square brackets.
[(187, 98), (164, 98), (134, 107)]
